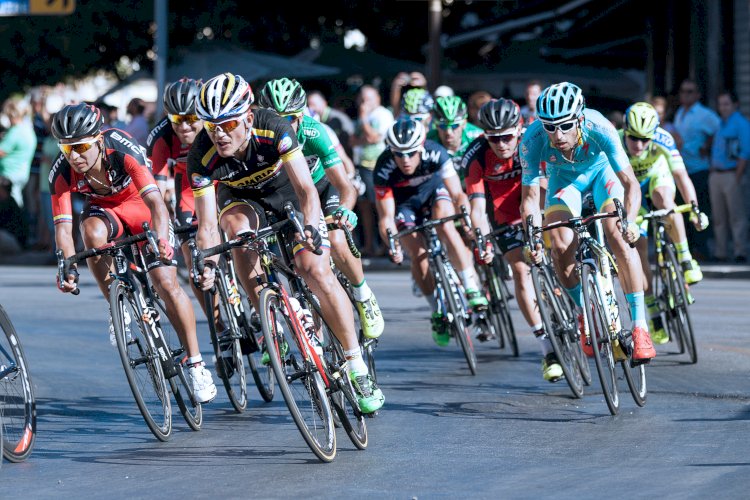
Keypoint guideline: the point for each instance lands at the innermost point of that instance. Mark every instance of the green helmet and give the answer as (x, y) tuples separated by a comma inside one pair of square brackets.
[(641, 120), (449, 109), (284, 96), (417, 101)]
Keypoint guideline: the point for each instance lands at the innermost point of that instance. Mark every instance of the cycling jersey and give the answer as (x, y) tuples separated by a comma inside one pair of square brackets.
[(317, 147), (484, 170), (597, 158), (661, 151), (469, 133)]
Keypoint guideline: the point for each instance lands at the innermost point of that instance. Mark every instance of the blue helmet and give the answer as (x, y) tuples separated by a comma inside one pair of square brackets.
[(560, 102)]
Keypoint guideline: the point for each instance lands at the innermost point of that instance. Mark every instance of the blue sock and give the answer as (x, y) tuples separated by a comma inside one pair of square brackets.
[(575, 294), (637, 309)]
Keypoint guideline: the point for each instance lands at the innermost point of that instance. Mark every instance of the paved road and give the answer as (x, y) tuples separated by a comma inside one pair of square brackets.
[(443, 434)]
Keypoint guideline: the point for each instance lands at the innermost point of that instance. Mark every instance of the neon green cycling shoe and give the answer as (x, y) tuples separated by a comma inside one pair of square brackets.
[(369, 396), (440, 330), (692, 271), (476, 299), (266, 359), (551, 369), (371, 318), (656, 329)]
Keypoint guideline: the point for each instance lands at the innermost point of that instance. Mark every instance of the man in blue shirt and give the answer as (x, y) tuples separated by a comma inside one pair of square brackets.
[(729, 154), (697, 125)]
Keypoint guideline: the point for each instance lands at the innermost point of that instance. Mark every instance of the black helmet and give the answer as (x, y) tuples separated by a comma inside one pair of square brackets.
[(77, 120), (499, 114), (405, 135), (179, 97)]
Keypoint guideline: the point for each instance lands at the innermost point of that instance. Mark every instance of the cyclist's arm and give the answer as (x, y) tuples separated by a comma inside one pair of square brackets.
[(685, 186), (347, 193), (299, 175), (632, 191), (477, 196), (530, 204), (386, 207), (208, 224), (347, 161), (159, 213)]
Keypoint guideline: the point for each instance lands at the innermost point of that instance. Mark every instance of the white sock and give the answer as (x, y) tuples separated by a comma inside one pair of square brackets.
[(361, 292), (356, 363), (468, 279), (194, 360), (544, 342)]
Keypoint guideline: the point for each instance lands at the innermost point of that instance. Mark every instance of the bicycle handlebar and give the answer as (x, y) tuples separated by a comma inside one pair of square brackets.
[(657, 214), (578, 222), (426, 225)]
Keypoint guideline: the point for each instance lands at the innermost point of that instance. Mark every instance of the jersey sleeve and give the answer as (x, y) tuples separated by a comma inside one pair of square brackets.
[(381, 178), (286, 142), (666, 142), (324, 148), (199, 161), (159, 154), (137, 168), (474, 179), (604, 134), (59, 187), (530, 157)]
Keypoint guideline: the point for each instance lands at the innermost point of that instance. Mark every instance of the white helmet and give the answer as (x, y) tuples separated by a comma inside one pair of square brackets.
[(405, 135), (223, 96)]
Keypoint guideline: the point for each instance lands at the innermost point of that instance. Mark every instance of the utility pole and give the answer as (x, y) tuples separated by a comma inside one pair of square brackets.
[(435, 53), (161, 36)]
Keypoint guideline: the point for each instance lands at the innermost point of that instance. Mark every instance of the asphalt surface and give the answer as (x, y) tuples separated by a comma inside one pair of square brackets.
[(505, 433)]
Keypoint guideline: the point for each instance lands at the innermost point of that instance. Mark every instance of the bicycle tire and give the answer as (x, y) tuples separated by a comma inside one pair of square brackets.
[(682, 315), (17, 402), (555, 325), (501, 310), (635, 373), (574, 335), (458, 324), (230, 369), (191, 410), (140, 361), (301, 385), (602, 346), (262, 374)]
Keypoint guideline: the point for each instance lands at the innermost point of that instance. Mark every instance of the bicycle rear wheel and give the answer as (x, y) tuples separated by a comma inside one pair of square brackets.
[(300, 382), (230, 364), (597, 315), (191, 410), (457, 313), (140, 361), (17, 403), (680, 316), (500, 310), (556, 324)]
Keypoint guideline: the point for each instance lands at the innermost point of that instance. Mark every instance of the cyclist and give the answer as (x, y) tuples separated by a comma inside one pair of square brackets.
[(580, 151), (110, 170), (337, 195), (492, 165), (256, 159), (452, 129), (658, 165), (415, 180), (418, 103)]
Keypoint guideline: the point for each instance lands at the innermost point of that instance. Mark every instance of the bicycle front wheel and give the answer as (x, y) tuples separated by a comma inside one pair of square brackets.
[(598, 322), (140, 361), (299, 380), (457, 314), (17, 404), (680, 316), (500, 309)]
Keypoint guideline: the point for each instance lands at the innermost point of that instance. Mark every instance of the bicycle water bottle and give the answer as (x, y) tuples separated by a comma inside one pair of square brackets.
[(610, 299), (306, 320)]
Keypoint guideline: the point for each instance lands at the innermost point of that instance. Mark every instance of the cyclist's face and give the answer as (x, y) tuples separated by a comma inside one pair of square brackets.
[(564, 141), (635, 146), (408, 163), (83, 162), (228, 143), (186, 131), (503, 142), (450, 135)]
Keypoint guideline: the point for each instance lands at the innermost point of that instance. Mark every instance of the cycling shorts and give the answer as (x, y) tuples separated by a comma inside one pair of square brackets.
[(417, 208), (330, 201), (565, 189)]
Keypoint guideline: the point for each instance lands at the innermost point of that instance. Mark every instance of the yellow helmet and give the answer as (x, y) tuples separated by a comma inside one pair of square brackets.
[(641, 120)]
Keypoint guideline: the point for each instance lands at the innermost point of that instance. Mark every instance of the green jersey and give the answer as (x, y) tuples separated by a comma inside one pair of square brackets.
[(317, 147), (469, 133)]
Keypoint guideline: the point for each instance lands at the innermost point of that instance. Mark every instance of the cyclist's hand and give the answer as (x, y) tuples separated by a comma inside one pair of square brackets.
[(485, 256), (71, 283), (534, 256), (345, 217), (397, 256), (207, 277), (632, 232), (358, 183), (699, 220), (313, 240), (166, 251)]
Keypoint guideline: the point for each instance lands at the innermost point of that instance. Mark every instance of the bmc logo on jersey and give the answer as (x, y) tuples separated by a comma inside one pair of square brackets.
[(155, 132), (54, 168), (127, 143)]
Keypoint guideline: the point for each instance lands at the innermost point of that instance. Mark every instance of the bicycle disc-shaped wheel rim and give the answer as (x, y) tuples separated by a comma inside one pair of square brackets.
[(17, 404), (141, 363), (635, 376), (301, 385), (602, 346), (343, 399)]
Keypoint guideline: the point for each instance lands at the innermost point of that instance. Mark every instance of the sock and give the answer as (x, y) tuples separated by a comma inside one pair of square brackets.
[(575, 294), (544, 342), (468, 279), (432, 301), (356, 363), (195, 360), (651, 306), (637, 309), (683, 251), (361, 292)]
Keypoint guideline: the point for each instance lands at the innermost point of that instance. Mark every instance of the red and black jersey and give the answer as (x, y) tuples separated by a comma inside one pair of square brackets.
[(502, 178), (127, 170), (163, 148)]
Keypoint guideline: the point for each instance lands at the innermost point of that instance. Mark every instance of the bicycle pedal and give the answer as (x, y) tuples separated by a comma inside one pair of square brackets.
[(639, 362)]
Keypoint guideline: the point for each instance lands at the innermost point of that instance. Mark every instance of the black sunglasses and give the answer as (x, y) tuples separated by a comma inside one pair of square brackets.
[(639, 139), (506, 138)]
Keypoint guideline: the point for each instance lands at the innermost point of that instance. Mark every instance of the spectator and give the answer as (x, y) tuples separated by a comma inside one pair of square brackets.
[(339, 121), (661, 106), (39, 117), (729, 154), (17, 148), (617, 119), (109, 114), (528, 112), (13, 229), (475, 101), (369, 141), (138, 126), (443, 91), (403, 82), (697, 125)]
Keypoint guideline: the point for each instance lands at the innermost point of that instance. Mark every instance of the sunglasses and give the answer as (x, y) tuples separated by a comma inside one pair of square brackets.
[(401, 154), (180, 119), (564, 127), (498, 138), (78, 147), (449, 126), (639, 139), (226, 126)]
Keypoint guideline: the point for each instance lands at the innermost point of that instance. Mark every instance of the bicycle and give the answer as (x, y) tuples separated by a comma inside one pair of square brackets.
[(449, 291), (557, 311), (610, 342), (148, 346), (311, 380), (492, 277), (17, 403), (671, 291)]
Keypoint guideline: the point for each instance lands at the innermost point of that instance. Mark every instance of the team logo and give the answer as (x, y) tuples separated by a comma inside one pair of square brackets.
[(311, 133), (261, 158), (285, 144), (553, 159), (198, 180)]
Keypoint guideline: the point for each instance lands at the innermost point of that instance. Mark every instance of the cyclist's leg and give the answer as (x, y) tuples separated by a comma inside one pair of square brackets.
[(98, 226), (564, 195)]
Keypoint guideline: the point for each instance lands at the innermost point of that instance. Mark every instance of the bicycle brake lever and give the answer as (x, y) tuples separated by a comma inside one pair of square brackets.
[(151, 239), (63, 268)]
